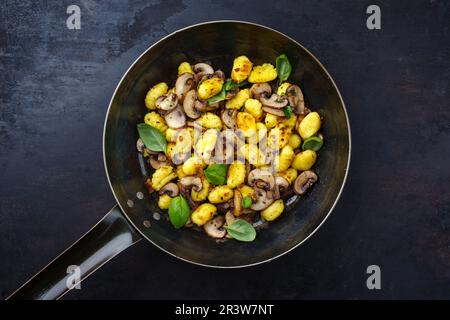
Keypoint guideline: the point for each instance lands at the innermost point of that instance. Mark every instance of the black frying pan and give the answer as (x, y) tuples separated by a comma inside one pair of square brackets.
[(133, 218)]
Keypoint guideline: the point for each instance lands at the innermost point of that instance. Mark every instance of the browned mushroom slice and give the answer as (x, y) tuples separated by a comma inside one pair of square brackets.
[(296, 100), (184, 83), (157, 160), (304, 181), (176, 118), (224, 207), (259, 88), (274, 101), (140, 145), (229, 218), (167, 102), (276, 112), (261, 178), (171, 189), (190, 106), (228, 117), (263, 199), (203, 67), (214, 228), (193, 182), (218, 74)]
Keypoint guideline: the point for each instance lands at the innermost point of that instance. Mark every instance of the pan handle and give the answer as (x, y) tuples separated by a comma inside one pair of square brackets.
[(104, 241)]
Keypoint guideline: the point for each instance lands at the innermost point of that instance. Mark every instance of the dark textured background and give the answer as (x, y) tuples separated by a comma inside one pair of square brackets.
[(55, 85)]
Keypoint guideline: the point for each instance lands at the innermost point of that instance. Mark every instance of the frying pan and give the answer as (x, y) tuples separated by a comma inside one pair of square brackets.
[(135, 215)]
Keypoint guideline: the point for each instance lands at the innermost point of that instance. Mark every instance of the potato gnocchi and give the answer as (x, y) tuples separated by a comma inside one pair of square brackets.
[(225, 149)]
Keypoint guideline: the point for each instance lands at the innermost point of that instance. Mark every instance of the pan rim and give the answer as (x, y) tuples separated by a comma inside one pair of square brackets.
[(346, 168)]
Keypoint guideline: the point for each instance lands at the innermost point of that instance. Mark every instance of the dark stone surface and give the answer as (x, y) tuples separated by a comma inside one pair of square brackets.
[(395, 211)]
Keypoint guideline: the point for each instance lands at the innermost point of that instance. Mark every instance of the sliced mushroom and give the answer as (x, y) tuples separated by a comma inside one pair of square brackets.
[(214, 106), (237, 203), (171, 189), (281, 182), (214, 228), (218, 74), (263, 199), (186, 192), (184, 83), (167, 102), (228, 117), (229, 218), (276, 112), (296, 100), (203, 67), (274, 101), (157, 160), (176, 118), (259, 88), (305, 180), (262, 179), (192, 182), (224, 207), (140, 145), (190, 105), (231, 94)]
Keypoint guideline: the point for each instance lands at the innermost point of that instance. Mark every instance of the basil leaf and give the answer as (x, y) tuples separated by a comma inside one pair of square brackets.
[(241, 230), (227, 86), (152, 137), (179, 211), (287, 111), (312, 143), (246, 202), (218, 97), (284, 68), (216, 173)]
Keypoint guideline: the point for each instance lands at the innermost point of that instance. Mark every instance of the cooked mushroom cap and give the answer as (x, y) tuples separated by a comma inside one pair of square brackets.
[(261, 178), (203, 67), (295, 97), (184, 83), (305, 180), (157, 160), (229, 218), (274, 101), (228, 117), (224, 207), (263, 199), (218, 74), (176, 118), (237, 202), (281, 182), (171, 189), (140, 145), (192, 181), (189, 105), (167, 102), (213, 228), (277, 112), (259, 88)]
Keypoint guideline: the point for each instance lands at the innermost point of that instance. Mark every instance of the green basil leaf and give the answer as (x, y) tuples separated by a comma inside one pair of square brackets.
[(312, 143), (227, 86), (152, 137), (241, 230), (179, 211), (284, 68), (218, 97), (246, 202), (287, 111), (216, 173)]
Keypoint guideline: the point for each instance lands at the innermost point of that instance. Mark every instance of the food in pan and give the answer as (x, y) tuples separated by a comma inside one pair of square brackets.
[(227, 152)]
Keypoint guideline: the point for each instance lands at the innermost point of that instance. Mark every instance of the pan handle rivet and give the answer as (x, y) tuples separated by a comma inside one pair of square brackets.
[(130, 203), (139, 195), (147, 224)]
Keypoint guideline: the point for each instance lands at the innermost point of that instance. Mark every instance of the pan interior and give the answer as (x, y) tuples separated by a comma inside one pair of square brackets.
[(219, 43)]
